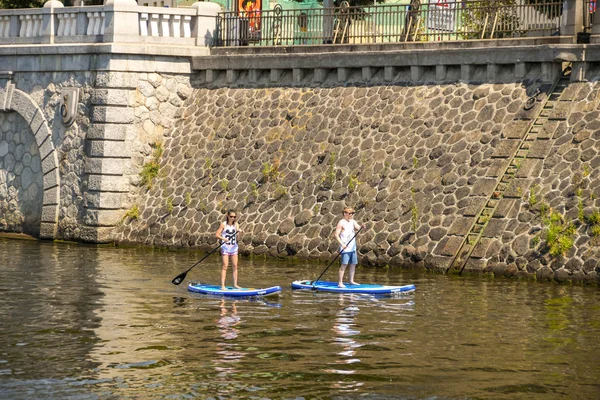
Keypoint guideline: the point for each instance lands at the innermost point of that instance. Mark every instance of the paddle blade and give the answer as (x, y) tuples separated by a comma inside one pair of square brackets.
[(179, 278)]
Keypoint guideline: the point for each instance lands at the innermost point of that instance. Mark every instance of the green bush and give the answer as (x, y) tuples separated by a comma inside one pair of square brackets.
[(560, 237), (132, 213), (151, 168), (353, 183), (149, 172), (12, 4), (270, 172)]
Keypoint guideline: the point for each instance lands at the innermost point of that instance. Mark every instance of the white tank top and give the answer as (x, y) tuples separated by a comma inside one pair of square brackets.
[(229, 232), (346, 234)]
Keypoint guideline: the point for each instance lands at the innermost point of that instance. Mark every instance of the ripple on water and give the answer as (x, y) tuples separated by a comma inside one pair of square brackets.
[(107, 323)]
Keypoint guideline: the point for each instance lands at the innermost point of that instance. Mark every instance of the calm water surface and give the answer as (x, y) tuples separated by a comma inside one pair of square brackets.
[(81, 322)]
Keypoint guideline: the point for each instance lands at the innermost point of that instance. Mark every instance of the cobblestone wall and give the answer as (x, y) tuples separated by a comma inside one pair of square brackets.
[(415, 161), (20, 177), (56, 190), (152, 161)]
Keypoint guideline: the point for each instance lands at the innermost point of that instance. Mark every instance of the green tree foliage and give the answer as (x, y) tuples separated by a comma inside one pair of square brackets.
[(481, 18), (5, 4)]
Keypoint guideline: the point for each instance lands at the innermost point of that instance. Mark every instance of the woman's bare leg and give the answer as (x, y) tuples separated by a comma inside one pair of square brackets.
[(224, 270), (234, 262)]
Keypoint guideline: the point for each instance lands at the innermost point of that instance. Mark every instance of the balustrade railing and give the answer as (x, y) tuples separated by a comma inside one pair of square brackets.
[(89, 24), (417, 21), (166, 23)]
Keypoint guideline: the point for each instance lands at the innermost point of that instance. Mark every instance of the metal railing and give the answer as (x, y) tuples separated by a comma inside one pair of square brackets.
[(417, 21)]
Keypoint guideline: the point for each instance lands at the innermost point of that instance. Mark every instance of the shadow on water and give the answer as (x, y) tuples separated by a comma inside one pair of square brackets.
[(88, 322)]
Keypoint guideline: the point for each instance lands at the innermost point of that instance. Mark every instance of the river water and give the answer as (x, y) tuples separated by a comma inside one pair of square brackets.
[(85, 322)]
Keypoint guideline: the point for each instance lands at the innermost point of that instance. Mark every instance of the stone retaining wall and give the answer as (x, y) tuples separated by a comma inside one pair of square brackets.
[(156, 159), (415, 161)]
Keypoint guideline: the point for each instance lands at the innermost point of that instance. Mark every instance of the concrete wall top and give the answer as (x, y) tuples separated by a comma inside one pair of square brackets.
[(456, 53)]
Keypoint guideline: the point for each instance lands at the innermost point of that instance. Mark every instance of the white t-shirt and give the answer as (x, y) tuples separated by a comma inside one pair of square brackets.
[(346, 234)]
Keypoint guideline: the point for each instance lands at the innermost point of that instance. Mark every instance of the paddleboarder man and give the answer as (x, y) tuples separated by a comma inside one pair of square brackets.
[(345, 235), (227, 233)]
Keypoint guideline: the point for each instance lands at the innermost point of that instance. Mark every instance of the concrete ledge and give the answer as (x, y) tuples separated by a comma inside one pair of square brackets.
[(457, 55), (378, 47), (440, 62), (97, 57), (81, 61)]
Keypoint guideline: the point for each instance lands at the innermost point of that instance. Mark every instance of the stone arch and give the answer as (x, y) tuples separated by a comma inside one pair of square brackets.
[(12, 99)]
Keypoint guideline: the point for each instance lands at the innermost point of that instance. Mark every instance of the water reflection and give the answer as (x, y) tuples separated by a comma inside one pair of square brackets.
[(228, 321), (179, 301), (108, 323), (227, 350), (345, 329), (44, 304)]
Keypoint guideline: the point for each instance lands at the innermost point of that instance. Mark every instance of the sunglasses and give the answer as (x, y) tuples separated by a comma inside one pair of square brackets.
[(232, 216), (351, 213)]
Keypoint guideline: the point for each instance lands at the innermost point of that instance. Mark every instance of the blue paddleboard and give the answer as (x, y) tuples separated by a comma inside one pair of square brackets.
[(230, 291), (325, 286)]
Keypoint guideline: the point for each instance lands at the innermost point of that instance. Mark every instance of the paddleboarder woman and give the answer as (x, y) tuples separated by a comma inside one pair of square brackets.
[(227, 233), (344, 234)]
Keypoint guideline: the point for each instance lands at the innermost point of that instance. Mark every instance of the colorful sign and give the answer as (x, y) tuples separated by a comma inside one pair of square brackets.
[(251, 9)]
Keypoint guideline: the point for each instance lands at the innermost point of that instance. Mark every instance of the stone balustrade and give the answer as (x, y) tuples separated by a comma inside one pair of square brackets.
[(119, 21)]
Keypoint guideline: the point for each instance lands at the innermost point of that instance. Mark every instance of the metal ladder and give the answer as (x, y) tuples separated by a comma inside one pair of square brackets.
[(481, 220)]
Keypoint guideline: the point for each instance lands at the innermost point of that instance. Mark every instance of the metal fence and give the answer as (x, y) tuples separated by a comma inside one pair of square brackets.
[(415, 22)]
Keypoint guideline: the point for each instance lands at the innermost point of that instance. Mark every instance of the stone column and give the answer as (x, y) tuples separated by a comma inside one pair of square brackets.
[(121, 23), (572, 19), (206, 24), (108, 154), (48, 20), (328, 21), (596, 28)]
